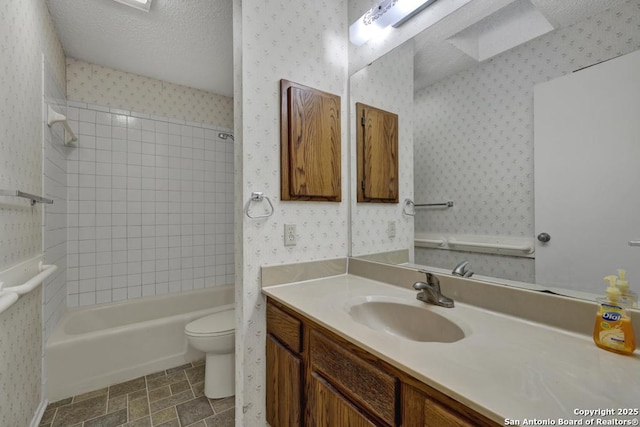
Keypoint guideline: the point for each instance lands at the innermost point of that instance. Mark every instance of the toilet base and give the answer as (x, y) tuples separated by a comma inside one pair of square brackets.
[(219, 376)]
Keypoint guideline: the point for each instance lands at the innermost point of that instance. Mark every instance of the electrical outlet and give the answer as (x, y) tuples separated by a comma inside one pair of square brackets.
[(391, 229), (289, 234)]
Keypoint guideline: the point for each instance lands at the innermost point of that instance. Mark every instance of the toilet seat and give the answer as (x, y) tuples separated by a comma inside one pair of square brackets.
[(216, 324)]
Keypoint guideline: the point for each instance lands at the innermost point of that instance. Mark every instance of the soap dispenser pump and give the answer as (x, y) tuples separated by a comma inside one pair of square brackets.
[(629, 297), (613, 330)]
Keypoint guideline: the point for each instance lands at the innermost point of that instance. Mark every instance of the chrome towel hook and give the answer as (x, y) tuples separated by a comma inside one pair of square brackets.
[(257, 196)]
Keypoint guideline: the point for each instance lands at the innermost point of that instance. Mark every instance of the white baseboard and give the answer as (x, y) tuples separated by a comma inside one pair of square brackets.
[(35, 422)]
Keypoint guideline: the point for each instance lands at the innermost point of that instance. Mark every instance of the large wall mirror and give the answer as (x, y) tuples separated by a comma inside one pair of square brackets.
[(471, 131)]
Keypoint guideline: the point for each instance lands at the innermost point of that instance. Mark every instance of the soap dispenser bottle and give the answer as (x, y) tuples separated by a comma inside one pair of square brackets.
[(613, 330), (628, 297)]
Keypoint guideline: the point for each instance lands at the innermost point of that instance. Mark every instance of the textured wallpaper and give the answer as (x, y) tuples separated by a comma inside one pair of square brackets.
[(304, 42), (26, 33), (474, 134), (95, 84), (238, 228), (20, 360), (383, 85)]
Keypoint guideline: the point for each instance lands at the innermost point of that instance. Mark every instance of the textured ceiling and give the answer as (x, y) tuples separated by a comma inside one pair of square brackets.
[(436, 58), (179, 41), (189, 42)]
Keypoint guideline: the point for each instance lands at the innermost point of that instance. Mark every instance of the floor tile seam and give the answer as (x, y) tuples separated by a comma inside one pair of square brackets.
[(210, 405), (195, 398), (192, 424), (126, 407), (106, 408), (165, 385), (175, 409), (189, 379), (193, 391), (222, 412), (165, 408), (53, 419), (190, 384), (146, 386), (73, 398)]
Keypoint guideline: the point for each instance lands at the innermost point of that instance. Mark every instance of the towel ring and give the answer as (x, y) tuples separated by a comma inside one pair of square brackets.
[(408, 203), (257, 196)]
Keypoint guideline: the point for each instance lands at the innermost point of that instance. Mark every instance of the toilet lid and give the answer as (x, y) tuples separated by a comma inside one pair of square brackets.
[(213, 324)]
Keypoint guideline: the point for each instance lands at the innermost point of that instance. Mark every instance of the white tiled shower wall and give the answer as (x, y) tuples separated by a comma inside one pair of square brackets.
[(150, 208)]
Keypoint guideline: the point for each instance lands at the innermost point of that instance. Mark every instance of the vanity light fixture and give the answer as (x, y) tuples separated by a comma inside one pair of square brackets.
[(386, 13), (143, 5)]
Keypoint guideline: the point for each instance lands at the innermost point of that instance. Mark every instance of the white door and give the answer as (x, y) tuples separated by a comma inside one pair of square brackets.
[(587, 175)]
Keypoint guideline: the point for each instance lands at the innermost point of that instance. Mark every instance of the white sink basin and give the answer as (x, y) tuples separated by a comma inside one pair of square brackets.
[(415, 323)]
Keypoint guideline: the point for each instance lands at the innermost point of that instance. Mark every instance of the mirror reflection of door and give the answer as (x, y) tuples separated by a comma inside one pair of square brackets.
[(587, 146)]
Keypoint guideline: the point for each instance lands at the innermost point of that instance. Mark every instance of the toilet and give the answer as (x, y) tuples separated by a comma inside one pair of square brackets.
[(215, 336)]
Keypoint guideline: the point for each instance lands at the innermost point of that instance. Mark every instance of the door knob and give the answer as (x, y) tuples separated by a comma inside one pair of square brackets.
[(544, 237)]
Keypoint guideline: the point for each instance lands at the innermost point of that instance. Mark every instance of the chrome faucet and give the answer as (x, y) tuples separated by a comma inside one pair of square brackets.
[(461, 269), (430, 291)]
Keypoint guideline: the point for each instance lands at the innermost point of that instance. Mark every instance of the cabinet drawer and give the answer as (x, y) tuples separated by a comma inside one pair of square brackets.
[(284, 327), (361, 381)]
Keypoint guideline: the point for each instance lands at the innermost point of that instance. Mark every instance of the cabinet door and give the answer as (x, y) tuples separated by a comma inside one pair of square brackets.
[(284, 386), (361, 380), (420, 409), (377, 154), (328, 408), (310, 144)]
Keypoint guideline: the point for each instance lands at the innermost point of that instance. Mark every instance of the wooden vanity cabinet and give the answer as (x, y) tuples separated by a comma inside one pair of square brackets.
[(316, 378)]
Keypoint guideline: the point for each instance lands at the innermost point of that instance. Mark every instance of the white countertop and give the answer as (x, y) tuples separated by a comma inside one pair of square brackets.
[(505, 368)]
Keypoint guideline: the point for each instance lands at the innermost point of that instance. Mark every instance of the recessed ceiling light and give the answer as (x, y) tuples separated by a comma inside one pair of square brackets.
[(385, 13), (143, 5)]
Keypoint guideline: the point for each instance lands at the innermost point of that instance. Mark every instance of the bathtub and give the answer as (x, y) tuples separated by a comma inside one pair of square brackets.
[(93, 347)]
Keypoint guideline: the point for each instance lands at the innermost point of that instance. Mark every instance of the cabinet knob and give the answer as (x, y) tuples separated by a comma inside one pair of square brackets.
[(544, 237)]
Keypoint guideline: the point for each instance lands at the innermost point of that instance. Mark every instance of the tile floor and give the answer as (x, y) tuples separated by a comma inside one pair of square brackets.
[(171, 398)]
